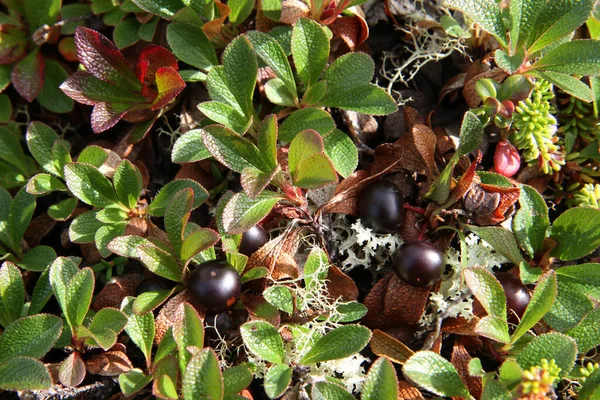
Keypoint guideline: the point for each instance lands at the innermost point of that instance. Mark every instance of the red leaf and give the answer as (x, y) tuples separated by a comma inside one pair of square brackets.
[(17, 37), (169, 85), (85, 88), (352, 30), (28, 76), (150, 60), (67, 49), (102, 58), (105, 116)]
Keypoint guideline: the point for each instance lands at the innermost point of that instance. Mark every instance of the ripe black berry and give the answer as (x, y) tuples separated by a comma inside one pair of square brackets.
[(214, 286), (517, 295), (380, 205), (419, 263), (153, 284), (253, 239)]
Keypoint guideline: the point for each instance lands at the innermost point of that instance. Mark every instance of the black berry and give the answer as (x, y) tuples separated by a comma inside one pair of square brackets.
[(380, 205), (517, 295), (214, 286), (253, 239), (419, 263)]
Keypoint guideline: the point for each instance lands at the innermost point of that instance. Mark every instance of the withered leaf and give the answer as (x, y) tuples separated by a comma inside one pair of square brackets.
[(168, 314), (469, 93), (212, 29), (340, 285), (352, 30), (460, 326), (72, 370), (277, 256), (383, 344), (113, 293), (406, 391), (460, 359), (110, 363), (259, 308), (392, 302)]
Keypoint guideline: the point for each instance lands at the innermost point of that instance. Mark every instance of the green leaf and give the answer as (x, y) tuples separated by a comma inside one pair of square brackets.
[(255, 273), (314, 172), (226, 115), (522, 13), (277, 380), (240, 10), (176, 217), (342, 152), (12, 294), (510, 372), (133, 381), (189, 148), (272, 54), (19, 216), (41, 293), (109, 318), (41, 12), (95, 155), (31, 336), (329, 391), (494, 390), (51, 97), (159, 205), (89, 185), (471, 134), (62, 210), (540, 303), (163, 8), (576, 233), (366, 99), (236, 379), (310, 50), (203, 379), (531, 221), (78, 296), (160, 262), (149, 301), (579, 57), (267, 141), (5, 201), (38, 259), (22, 373), (241, 212), (189, 44), (231, 149), (187, 331), (314, 94), (11, 151), (279, 94), (5, 105), (126, 246), (341, 342), (555, 21), (126, 32), (105, 234), (112, 215), (280, 297), (510, 64), (140, 328), (306, 118), (41, 184), (381, 381), (263, 340), (487, 290), (197, 242), (349, 312), (62, 270), (84, 227), (40, 139), (569, 308), (551, 346), (485, 13), (128, 183), (305, 145), (233, 83), (434, 373), (586, 333), (590, 389), (493, 327), (502, 240), (271, 9)]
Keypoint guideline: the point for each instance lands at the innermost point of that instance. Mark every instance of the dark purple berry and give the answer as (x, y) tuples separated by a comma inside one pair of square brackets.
[(214, 286), (253, 239), (419, 263), (517, 295), (381, 207)]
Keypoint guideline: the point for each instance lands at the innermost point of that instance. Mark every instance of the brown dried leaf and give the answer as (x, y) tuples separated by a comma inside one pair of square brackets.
[(460, 326), (345, 199), (72, 370), (352, 30), (38, 228), (392, 302), (383, 344), (137, 226), (291, 10), (90, 253), (340, 285), (212, 29), (110, 363), (452, 86), (411, 118), (277, 255), (168, 315), (113, 293), (406, 391), (460, 359), (198, 171)]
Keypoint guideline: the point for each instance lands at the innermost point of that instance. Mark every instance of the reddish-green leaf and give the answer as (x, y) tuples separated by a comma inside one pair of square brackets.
[(28, 76), (169, 85)]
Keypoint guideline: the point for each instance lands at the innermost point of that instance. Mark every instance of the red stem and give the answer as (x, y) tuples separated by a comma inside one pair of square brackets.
[(417, 210)]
